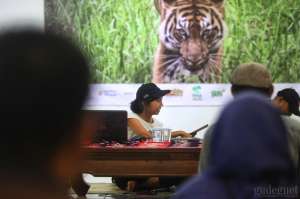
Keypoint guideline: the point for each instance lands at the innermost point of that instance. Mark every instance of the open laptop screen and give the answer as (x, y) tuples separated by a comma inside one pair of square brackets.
[(111, 125)]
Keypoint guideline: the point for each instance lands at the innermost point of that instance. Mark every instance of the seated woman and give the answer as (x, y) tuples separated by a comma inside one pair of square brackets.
[(249, 155), (148, 102)]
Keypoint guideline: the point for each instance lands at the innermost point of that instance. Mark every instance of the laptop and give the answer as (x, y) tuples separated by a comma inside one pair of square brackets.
[(111, 125)]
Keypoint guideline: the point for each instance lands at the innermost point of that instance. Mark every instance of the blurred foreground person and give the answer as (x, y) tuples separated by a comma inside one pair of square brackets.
[(249, 155), (43, 82)]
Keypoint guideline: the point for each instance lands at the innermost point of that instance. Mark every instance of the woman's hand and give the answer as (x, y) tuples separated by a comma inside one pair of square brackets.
[(182, 134)]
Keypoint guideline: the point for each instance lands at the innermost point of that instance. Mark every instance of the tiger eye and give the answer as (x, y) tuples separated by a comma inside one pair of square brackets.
[(180, 34), (205, 34), (212, 34)]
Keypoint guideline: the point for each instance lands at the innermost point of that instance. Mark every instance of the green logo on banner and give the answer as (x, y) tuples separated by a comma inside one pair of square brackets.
[(196, 92), (217, 93)]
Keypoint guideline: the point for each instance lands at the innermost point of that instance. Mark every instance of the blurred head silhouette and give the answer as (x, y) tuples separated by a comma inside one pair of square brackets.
[(249, 154), (43, 85), (250, 146), (261, 134)]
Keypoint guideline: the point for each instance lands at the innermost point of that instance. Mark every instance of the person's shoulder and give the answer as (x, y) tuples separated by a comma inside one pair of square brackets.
[(295, 117), (291, 121), (293, 127), (131, 114), (200, 186), (190, 189)]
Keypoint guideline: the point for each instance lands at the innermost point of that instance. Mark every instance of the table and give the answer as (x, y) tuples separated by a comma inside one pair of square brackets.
[(130, 161)]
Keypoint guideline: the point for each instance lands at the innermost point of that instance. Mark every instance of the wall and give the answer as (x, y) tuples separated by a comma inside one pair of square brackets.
[(21, 13)]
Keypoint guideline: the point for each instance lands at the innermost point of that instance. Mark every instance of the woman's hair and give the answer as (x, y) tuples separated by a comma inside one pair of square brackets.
[(137, 106)]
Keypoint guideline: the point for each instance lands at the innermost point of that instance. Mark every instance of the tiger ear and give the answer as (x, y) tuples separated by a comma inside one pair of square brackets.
[(218, 1), (219, 5), (157, 5), (169, 1), (160, 4)]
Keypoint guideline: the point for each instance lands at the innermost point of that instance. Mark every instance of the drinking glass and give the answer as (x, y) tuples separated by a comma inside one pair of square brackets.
[(161, 134)]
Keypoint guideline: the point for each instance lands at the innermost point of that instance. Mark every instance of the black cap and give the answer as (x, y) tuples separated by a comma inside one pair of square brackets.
[(148, 92), (292, 98)]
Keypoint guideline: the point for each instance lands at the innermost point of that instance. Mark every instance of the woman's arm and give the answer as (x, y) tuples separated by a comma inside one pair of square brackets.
[(138, 128), (182, 134)]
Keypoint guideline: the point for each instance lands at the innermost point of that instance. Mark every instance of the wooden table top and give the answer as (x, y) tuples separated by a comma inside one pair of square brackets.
[(136, 161)]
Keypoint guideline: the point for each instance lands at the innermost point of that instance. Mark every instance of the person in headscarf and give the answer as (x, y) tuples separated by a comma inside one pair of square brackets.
[(249, 155)]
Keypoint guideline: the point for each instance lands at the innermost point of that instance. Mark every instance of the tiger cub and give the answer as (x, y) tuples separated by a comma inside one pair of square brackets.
[(191, 36)]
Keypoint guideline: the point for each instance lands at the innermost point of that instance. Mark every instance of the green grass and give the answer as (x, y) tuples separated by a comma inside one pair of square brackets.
[(265, 31), (120, 36)]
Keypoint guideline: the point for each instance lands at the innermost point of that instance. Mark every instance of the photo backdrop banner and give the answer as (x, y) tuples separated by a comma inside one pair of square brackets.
[(181, 94), (121, 37)]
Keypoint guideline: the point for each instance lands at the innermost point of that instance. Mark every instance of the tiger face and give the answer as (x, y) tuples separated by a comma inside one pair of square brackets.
[(191, 34)]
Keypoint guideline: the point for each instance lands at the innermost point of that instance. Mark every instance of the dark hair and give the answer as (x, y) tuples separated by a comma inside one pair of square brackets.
[(43, 85), (237, 89), (292, 98), (137, 106)]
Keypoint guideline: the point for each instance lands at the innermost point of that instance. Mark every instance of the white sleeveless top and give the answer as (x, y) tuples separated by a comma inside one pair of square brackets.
[(147, 125)]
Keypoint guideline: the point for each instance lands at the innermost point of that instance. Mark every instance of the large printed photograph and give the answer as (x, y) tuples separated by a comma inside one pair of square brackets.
[(181, 41)]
